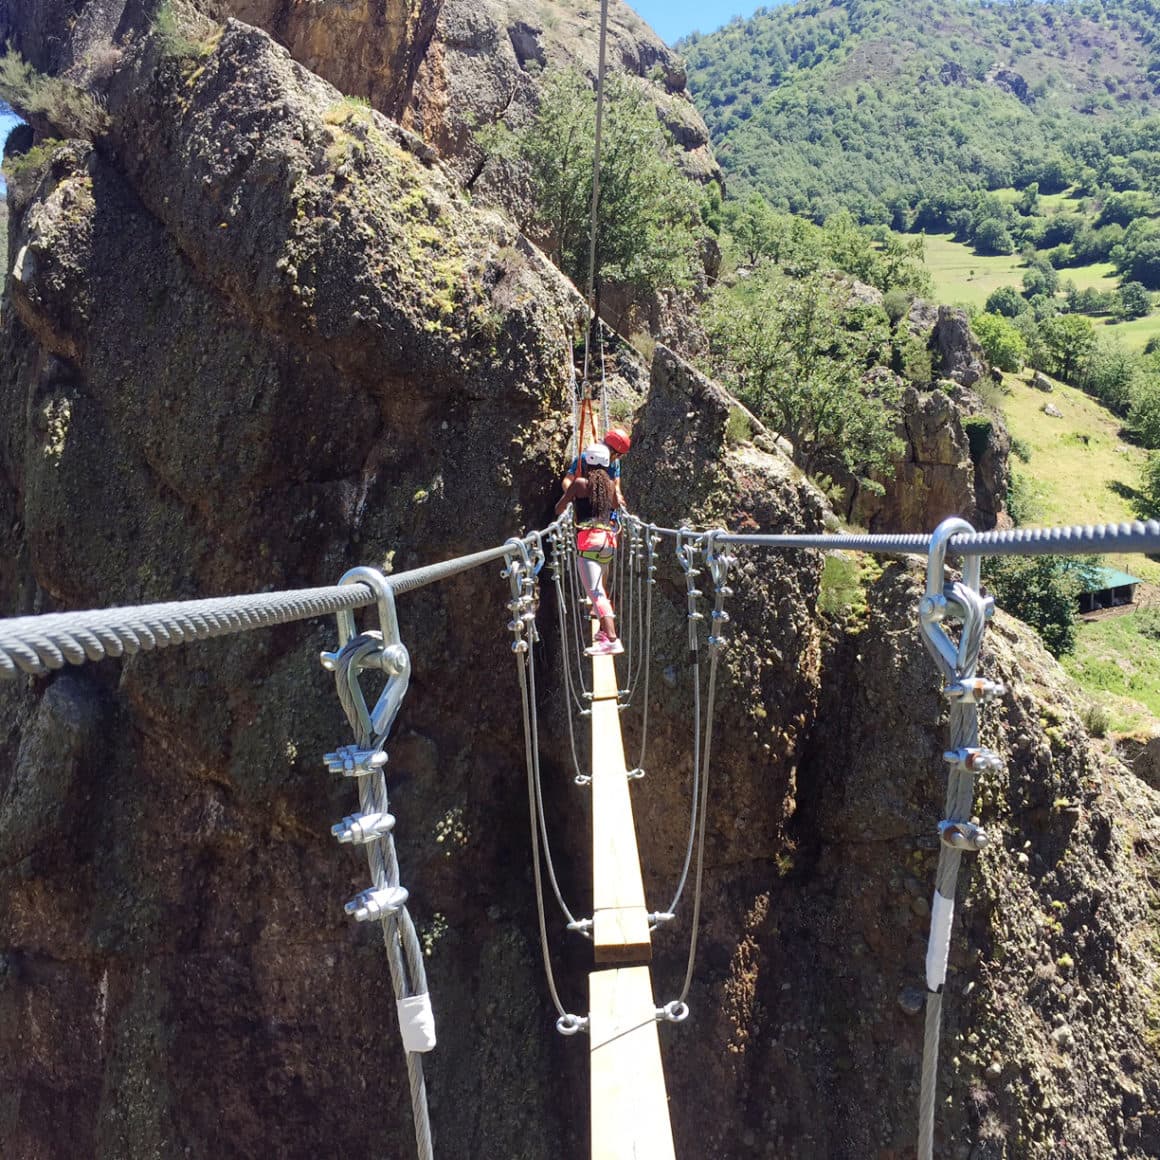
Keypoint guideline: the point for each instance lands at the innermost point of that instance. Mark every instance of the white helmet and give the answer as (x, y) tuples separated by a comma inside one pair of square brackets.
[(597, 455)]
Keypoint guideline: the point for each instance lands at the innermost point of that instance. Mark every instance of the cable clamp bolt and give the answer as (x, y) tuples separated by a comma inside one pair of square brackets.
[(358, 829), (674, 1012), (519, 646), (963, 836), (377, 901), (975, 691), (582, 779), (721, 615), (659, 918), (351, 761), (974, 760), (581, 925), (634, 774), (571, 1024)]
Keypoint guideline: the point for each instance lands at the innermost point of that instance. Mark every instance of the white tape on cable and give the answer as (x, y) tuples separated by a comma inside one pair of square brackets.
[(416, 1022), (942, 914)]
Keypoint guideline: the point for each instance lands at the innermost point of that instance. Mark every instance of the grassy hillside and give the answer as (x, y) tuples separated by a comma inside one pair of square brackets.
[(1082, 471), (861, 104)]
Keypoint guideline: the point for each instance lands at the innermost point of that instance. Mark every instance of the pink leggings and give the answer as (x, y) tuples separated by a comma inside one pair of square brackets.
[(595, 548)]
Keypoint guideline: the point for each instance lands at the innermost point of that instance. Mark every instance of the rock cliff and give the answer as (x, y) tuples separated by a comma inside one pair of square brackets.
[(257, 335)]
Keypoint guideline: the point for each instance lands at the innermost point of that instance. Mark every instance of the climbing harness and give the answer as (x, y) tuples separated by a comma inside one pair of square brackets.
[(957, 664), (373, 826)]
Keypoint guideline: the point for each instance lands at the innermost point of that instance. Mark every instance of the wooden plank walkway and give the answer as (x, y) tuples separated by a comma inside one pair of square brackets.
[(630, 1107), (620, 931)]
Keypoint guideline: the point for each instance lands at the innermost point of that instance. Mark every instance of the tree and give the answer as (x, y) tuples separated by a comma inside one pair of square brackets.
[(1002, 343), (649, 219), (1042, 591), (1067, 339), (756, 228), (1144, 413), (1006, 300), (1150, 488), (992, 237), (1135, 301), (796, 352)]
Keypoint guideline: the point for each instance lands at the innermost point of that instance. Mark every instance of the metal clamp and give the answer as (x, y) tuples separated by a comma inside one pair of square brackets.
[(963, 836), (975, 691), (359, 829), (377, 902), (974, 760), (674, 1012), (351, 761)]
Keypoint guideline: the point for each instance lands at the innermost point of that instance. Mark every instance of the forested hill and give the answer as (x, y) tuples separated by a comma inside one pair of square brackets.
[(870, 105)]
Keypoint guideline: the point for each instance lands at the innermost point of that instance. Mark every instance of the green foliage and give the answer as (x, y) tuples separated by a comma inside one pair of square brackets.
[(1003, 344), (1006, 301), (1042, 591), (992, 237), (757, 232), (1111, 373), (737, 429), (845, 579), (1023, 499), (70, 110), (797, 352), (1150, 485), (1135, 301), (1144, 413), (896, 303), (1068, 340), (649, 222)]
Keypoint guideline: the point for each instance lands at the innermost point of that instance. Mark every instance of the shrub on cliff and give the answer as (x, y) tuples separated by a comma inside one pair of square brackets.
[(649, 221)]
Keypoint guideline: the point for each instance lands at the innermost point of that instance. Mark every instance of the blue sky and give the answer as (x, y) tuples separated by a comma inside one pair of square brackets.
[(672, 19)]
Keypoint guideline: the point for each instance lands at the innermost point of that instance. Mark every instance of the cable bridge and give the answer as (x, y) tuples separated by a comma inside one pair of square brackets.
[(629, 1112)]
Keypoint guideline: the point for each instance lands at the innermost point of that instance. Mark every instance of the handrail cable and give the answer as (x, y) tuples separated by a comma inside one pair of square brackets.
[(38, 644)]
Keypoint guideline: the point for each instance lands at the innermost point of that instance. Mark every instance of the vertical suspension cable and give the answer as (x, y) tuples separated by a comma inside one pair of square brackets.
[(593, 216)]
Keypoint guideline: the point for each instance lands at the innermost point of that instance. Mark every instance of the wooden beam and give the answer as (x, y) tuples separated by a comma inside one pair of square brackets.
[(630, 1107), (604, 683), (620, 931)]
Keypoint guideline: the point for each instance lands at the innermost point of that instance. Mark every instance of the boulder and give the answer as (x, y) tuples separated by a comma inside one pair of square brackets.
[(1051, 411), (1041, 382)]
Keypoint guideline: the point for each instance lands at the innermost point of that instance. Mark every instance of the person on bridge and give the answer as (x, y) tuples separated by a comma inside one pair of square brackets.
[(593, 494), (618, 443)]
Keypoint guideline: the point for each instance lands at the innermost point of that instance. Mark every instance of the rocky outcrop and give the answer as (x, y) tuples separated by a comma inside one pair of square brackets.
[(445, 68), (955, 352), (954, 462)]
